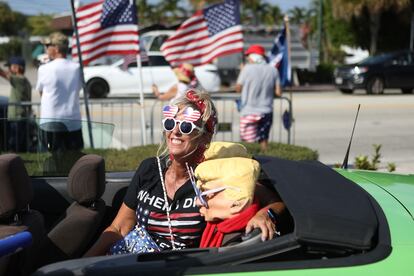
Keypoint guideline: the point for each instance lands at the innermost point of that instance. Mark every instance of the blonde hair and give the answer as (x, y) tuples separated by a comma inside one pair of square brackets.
[(209, 110), (238, 174)]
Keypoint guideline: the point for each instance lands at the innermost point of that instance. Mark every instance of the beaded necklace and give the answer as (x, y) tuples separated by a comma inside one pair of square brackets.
[(166, 202)]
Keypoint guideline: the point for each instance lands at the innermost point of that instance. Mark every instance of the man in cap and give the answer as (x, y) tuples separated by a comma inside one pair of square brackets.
[(21, 91), (59, 83), (258, 83)]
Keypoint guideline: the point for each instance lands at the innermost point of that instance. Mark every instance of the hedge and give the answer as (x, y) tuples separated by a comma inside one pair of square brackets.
[(128, 160)]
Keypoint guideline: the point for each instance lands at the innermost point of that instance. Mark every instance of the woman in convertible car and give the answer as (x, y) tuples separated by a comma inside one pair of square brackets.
[(159, 211)]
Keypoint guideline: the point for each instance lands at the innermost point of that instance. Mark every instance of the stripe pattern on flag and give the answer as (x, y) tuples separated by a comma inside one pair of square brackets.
[(106, 28), (191, 115), (170, 111), (215, 31), (248, 127)]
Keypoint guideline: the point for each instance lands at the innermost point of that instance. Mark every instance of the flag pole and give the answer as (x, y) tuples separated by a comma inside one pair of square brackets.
[(141, 99), (287, 28), (141, 90), (85, 89)]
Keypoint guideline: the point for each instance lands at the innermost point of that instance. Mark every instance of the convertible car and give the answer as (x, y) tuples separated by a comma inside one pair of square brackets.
[(339, 222)]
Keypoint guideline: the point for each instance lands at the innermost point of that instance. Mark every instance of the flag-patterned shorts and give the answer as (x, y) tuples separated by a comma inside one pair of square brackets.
[(255, 127)]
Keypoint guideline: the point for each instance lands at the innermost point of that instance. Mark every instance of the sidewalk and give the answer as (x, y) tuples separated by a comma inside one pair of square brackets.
[(311, 88)]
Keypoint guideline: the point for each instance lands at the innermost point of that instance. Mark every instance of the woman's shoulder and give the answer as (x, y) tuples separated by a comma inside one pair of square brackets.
[(148, 164)]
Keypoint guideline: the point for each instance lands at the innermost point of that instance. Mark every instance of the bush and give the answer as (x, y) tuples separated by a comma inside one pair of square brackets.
[(129, 160), (12, 48), (284, 151), (323, 74), (362, 162)]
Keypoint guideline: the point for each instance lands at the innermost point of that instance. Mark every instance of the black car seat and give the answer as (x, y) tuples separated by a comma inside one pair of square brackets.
[(16, 192), (73, 233)]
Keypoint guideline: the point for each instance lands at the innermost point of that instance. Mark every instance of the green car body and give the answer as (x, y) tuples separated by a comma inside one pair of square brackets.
[(395, 195), (383, 245)]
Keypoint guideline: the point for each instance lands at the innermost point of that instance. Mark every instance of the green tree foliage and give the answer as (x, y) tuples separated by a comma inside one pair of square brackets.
[(12, 48), (346, 9), (40, 24), (11, 23), (255, 12)]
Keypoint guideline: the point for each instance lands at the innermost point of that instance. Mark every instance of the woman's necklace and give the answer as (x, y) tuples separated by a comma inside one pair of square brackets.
[(166, 203)]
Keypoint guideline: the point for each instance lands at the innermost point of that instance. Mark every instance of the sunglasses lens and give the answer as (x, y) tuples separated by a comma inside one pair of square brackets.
[(169, 124), (186, 127)]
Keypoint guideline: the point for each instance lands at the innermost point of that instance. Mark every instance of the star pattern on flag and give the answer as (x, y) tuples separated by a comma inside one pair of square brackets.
[(117, 12), (220, 17)]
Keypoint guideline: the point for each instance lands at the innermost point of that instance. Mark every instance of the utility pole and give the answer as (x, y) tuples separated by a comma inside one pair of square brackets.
[(320, 15), (412, 26)]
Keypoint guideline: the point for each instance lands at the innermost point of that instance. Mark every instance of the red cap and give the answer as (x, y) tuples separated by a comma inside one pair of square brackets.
[(255, 49)]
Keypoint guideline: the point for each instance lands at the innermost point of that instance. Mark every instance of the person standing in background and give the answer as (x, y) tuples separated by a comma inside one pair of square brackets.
[(21, 91), (186, 80), (59, 84), (258, 83)]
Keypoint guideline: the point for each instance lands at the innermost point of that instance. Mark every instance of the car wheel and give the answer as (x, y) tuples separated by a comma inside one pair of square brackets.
[(407, 90), (346, 91), (375, 86), (97, 88)]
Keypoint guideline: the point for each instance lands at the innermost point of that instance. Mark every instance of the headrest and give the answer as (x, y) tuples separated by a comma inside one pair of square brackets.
[(16, 190), (86, 180)]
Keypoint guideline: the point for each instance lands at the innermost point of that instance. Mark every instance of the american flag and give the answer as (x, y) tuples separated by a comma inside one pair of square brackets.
[(185, 227), (278, 57), (191, 115), (129, 59), (215, 31), (169, 111), (107, 28)]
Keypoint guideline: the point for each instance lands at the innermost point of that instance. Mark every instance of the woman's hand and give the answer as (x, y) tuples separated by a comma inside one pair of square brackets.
[(155, 90), (261, 220)]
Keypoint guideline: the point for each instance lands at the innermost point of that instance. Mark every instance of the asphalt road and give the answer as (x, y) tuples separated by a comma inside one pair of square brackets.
[(323, 121)]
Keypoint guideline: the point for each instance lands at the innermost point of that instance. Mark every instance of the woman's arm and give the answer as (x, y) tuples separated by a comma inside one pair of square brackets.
[(124, 221), (167, 95), (268, 199)]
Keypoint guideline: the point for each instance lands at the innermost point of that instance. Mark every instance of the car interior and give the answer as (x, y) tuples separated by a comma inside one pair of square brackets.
[(330, 222)]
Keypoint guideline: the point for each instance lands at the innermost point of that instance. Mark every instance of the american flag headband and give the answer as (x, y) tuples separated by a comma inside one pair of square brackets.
[(190, 114)]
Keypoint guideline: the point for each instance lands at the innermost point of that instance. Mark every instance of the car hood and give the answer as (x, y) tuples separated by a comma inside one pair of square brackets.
[(401, 187)]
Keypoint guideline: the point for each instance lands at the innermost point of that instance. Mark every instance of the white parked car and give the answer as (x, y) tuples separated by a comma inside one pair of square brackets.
[(104, 80)]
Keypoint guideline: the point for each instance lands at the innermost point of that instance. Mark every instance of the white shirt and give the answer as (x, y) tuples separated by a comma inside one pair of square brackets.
[(60, 83)]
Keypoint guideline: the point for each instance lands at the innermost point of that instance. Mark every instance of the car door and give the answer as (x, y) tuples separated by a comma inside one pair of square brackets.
[(399, 70)]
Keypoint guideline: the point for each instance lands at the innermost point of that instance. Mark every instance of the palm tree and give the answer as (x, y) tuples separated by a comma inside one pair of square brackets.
[(348, 8), (298, 15)]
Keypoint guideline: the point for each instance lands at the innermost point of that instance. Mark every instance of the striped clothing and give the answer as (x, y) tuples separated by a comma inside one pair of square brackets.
[(248, 127), (255, 127), (145, 195)]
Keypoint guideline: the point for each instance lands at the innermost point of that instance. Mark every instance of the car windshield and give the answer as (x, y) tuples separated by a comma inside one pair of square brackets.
[(375, 59), (50, 147)]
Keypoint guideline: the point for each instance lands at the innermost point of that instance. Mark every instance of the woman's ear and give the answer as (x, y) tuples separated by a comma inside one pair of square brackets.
[(239, 205)]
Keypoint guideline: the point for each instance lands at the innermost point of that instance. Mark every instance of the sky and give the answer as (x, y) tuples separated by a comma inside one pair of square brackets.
[(33, 7)]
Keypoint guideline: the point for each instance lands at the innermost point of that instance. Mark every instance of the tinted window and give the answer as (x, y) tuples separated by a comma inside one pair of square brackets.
[(402, 60), (157, 42), (376, 59), (158, 61)]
